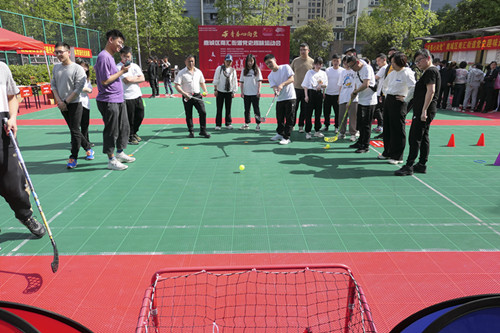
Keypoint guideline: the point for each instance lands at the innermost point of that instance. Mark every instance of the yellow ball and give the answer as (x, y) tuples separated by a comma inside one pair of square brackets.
[(242, 167), (204, 94)]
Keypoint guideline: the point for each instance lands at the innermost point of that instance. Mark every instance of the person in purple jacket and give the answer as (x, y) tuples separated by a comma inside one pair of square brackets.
[(111, 103)]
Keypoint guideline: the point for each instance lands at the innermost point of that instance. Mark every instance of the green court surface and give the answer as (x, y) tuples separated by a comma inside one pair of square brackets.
[(188, 196)]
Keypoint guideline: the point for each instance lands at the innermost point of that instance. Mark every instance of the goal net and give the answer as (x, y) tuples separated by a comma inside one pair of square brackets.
[(304, 299)]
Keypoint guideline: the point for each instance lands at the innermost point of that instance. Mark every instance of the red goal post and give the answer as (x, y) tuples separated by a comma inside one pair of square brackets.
[(281, 298)]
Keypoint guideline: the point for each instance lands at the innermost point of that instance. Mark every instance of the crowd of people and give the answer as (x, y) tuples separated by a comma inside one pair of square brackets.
[(354, 88), (474, 89)]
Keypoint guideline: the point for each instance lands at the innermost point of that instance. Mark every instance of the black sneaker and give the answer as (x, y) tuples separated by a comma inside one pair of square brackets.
[(362, 150), (205, 135), (355, 145), (406, 170), (34, 226), (191, 135), (420, 168)]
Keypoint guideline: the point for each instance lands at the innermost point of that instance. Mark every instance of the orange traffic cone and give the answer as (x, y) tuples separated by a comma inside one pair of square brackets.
[(451, 143), (480, 142)]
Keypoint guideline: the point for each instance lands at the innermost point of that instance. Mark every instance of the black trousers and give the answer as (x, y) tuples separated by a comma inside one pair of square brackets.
[(285, 116), (84, 124), (154, 87), (329, 102), (251, 101), (300, 102), (458, 96), (379, 111), (444, 92), (395, 128), (419, 139), (73, 118), (364, 118), (223, 99), (12, 181), (315, 105), (116, 127), (135, 114), (200, 107)]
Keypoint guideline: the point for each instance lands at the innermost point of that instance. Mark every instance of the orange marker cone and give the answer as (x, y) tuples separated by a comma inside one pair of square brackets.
[(451, 143), (480, 142), (497, 162)]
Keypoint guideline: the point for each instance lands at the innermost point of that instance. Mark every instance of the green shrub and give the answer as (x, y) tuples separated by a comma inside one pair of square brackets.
[(22, 73)]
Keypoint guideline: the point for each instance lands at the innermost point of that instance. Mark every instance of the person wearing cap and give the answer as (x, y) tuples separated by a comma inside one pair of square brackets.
[(225, 85)]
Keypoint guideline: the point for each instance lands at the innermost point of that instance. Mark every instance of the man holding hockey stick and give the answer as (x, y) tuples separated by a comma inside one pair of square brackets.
[(13, 185)]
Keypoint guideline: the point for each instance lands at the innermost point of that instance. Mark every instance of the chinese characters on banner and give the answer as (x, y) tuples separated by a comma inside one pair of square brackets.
[(49, 49), (471, 44), (217, 41)]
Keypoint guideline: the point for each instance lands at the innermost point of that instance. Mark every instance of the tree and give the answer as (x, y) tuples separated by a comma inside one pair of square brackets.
[(162, 27), (395, 23), (314, 34), (468, 15), (252, 12)]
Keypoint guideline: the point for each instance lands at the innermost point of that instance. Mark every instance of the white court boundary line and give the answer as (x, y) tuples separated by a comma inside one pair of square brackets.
[(452, 202), (12, 252)]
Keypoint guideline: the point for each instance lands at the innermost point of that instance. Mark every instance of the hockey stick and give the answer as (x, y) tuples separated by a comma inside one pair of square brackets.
[(336, 137), (196, 99), (55, 262), (263, 119)]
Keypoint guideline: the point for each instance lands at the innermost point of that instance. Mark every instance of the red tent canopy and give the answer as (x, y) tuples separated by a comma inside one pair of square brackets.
[(12, 41)]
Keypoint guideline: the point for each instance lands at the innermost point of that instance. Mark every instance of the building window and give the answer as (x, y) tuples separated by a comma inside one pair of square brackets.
[(339, 18), (340, 10), (289, 18)]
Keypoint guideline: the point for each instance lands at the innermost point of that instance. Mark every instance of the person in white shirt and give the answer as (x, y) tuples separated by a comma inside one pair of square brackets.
[(281, 81), (380, 76), (474, 79), (397, 85), (332, 93), (251, 83), (347, 83), (225, 86), (366, 92), (189, 82), (132, 93), (84, 99), (313, 84)]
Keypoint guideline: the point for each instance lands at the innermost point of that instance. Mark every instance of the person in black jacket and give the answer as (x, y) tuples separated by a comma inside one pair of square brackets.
[(153, 76), (166, 74), (489, 94), (448, 74)]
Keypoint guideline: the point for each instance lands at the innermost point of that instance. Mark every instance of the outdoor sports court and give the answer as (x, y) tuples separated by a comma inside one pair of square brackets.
[(410, 241)]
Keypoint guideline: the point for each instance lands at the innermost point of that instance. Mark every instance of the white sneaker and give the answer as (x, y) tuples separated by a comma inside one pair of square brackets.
[(382, 157), (277, 137), (357, 135), (319, 135), (324, 128), (244, 127), (395, 162), (124, 158), (336, 130), (308, 136), (284, 141), (257, 128), (229, 127), (301, 129), (353, 138), (217, 128), (114, 164)]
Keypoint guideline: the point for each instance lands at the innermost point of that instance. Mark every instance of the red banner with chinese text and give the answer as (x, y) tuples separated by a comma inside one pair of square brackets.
[(217, 41), (49, 49), (470, 44)]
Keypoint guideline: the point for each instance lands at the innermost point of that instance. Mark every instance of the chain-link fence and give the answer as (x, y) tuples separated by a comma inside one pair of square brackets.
[(49, 32)]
